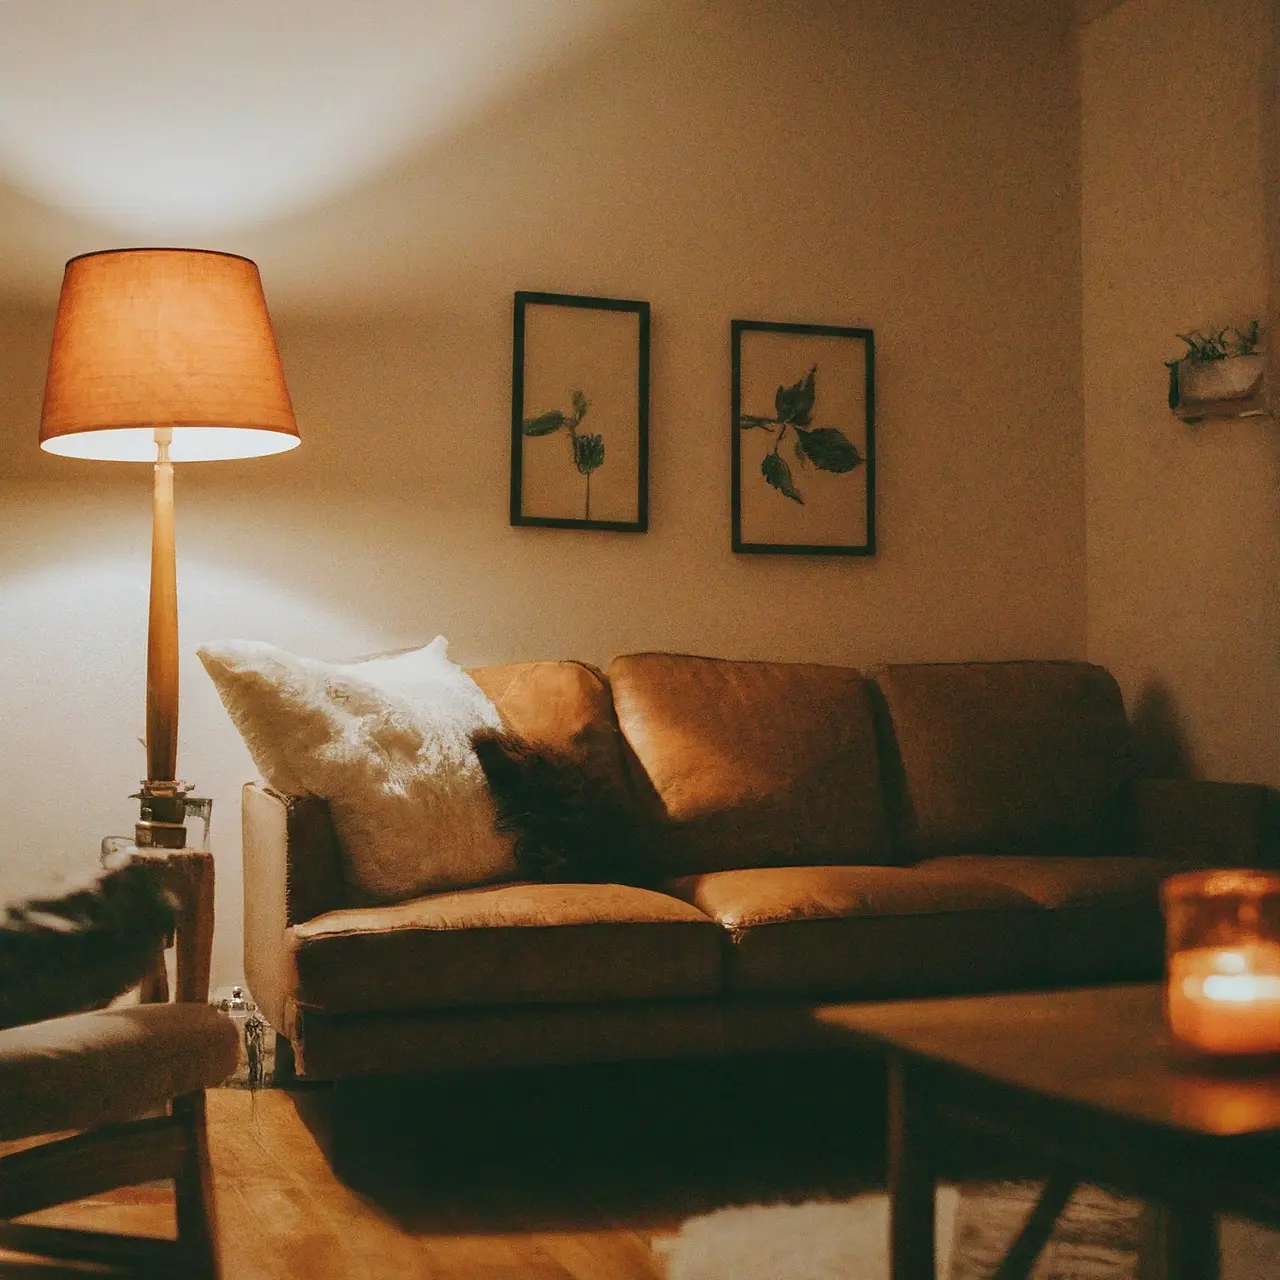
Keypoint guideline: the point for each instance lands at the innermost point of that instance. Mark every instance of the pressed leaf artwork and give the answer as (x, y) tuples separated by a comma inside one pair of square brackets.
[(826, 448), (580, 412), (802, 426), (586, 451)]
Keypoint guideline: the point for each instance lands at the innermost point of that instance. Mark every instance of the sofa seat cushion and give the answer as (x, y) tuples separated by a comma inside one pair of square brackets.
[(1007, 757), (1063, 882), (751, 764), (506, 944), (1104, 913), (868, 931)]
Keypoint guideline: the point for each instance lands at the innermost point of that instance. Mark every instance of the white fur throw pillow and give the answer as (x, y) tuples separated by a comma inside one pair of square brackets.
[(387, 743)]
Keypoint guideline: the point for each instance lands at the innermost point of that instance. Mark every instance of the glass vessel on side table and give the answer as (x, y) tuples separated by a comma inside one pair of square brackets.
[(1222, 935)]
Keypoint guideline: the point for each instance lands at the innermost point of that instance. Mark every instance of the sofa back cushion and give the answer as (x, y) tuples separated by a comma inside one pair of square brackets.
[(1004, 757), (751, 764), (562, 705)]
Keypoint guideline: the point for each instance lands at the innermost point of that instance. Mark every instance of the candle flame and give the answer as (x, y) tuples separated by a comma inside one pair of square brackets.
[(1235, 989)]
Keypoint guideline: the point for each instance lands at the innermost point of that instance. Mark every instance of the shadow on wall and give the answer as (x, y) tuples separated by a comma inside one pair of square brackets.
[(1160, 743)]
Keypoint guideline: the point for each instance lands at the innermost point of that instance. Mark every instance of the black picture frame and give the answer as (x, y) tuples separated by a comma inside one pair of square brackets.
[(562, 366), (834, 457)]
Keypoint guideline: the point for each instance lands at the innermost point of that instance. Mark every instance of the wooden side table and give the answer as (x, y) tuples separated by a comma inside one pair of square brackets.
[(188, 876)]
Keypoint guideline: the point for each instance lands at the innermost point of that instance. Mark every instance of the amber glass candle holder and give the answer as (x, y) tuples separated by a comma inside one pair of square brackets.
[(1222, 943)]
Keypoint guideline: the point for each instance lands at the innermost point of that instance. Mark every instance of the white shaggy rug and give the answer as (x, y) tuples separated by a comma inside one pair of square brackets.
[(819, 1240), (848, 1240)]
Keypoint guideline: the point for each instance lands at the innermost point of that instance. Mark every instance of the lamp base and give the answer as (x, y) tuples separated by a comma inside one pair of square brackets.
[(164, 809)]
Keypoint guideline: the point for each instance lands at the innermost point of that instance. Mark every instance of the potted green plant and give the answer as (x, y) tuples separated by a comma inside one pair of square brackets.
[(1218, 373)]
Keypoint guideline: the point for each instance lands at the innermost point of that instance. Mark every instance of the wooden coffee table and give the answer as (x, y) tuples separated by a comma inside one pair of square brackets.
[(1086, 1083)]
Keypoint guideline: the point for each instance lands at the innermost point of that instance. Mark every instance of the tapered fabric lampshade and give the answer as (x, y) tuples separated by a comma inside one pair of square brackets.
[(168, 338)]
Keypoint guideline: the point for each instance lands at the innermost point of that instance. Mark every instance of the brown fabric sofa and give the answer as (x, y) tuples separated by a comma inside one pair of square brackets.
[(821, 834)]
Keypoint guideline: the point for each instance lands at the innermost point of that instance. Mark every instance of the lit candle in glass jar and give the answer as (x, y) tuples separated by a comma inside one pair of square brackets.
[(1223, 951)]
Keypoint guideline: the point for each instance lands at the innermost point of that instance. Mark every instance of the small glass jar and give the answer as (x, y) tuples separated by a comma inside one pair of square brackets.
[(253, 1066), (199, 811), (1222, 949)]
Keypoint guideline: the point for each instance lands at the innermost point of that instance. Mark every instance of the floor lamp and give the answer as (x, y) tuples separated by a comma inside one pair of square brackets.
[(164, 356)]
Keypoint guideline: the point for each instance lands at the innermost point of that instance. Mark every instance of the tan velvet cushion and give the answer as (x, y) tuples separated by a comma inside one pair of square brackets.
[(1006, 756), (565, 705), (1104, 921), (506, 944), (98, 1068), (868, 931), (749, 764)]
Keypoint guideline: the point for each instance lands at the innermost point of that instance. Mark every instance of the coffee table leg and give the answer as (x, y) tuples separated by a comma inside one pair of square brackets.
[(1185, 1244), (912, 1174)]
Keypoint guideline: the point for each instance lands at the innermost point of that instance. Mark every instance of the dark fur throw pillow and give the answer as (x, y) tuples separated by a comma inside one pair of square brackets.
[(80, 951), (569, 825)]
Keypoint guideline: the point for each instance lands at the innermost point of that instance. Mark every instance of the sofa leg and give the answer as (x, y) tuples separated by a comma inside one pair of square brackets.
[(286, 1067)]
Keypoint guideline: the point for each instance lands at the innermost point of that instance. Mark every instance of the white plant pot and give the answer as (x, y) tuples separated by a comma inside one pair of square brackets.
[(1205, 381)]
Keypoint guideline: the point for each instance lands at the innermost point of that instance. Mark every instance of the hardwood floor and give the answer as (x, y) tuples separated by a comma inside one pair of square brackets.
[(563, 1175)]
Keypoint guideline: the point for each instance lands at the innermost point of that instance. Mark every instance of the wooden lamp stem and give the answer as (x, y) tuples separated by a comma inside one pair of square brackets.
[(163, 797), (162, 627)]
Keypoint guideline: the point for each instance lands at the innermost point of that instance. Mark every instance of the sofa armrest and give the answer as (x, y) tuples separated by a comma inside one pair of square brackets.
[(292, 873), (1202, 823)]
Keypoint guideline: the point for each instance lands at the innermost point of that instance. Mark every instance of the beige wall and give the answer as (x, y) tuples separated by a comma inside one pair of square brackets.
[(807, 161), (1178, 104)]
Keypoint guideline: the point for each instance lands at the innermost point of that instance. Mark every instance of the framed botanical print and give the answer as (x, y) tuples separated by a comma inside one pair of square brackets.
[(580, 413), (803, 422)]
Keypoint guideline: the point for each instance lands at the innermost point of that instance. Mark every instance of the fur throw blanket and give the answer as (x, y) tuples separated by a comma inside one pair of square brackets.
[(568, 824), (80, 951)]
